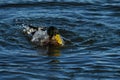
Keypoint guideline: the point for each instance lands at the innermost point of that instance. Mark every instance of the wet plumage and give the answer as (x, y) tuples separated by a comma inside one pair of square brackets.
[(44, 36)]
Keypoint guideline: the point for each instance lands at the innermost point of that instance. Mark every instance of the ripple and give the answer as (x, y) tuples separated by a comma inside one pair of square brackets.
[(90, 29), (114, 7), (28, 4)]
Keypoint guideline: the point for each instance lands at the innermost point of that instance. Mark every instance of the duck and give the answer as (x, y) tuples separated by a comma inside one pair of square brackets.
[(44, 36)]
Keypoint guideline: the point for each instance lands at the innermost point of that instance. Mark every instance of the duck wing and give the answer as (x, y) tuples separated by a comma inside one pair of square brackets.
[(40, 36)]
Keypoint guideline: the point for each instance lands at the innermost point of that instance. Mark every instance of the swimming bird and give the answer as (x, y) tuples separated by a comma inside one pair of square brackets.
[(44, 36)]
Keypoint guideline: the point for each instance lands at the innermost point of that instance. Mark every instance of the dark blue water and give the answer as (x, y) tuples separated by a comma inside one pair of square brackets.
[(91, 29)]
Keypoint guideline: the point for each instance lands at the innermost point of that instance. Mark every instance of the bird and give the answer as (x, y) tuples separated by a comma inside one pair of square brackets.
[(44, 36)]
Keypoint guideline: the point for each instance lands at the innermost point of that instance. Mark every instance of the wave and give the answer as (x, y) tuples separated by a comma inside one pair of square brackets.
[(43, 4)]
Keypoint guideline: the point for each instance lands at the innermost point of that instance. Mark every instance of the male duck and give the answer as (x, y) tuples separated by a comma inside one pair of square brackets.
[(44, 36)]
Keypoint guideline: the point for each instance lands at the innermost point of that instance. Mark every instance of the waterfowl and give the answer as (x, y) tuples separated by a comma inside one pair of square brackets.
[(44, 36)]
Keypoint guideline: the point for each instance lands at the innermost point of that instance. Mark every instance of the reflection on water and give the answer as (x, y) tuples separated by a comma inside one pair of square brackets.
[(49, 51), (53, 51)]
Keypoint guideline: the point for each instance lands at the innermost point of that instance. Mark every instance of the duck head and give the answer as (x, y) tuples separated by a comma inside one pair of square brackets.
[(52, 31)]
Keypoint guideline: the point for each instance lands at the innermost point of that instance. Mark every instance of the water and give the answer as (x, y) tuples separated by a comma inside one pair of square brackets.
[(91, 29)]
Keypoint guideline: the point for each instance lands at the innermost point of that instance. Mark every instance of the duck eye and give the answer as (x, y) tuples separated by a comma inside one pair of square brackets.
[(56, 32)]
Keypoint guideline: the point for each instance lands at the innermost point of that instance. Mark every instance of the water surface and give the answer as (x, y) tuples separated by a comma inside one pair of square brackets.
[(91, 29)]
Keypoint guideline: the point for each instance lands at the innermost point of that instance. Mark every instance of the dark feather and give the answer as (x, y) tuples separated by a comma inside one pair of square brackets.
[(33, 27)]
